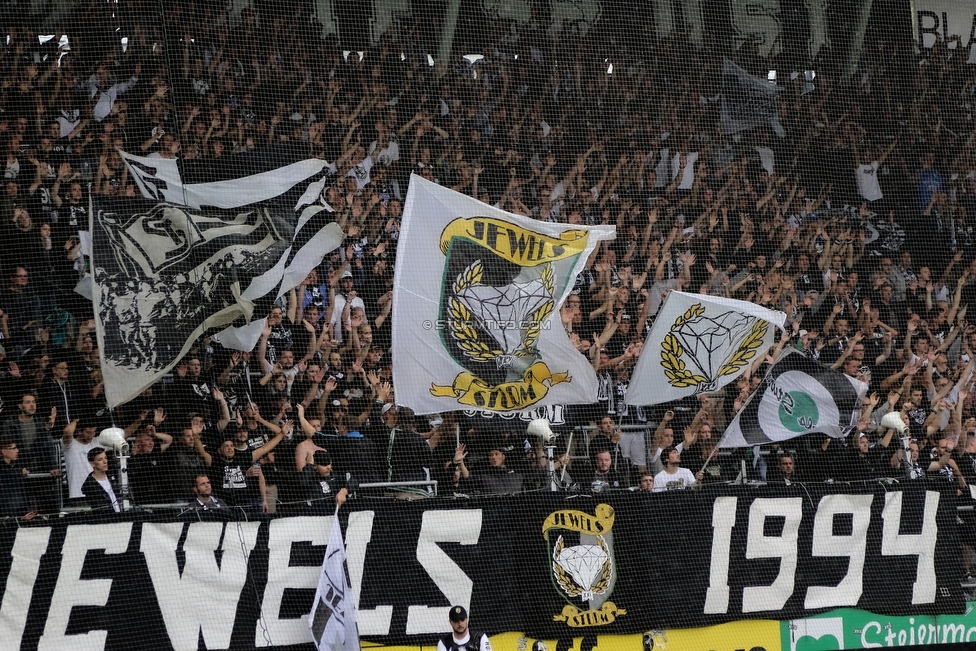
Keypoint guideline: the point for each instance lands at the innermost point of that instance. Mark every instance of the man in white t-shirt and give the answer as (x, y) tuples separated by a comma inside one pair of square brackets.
[(344, 295), (866, 173), (389, 153), (674, 477), (683, 169), (361, 165), (78, 441), (461, 638)]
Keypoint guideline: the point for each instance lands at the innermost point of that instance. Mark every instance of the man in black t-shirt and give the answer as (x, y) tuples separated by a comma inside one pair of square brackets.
[(323, 487), (604, 476), (238, 475), (147, 467), (462, 638)]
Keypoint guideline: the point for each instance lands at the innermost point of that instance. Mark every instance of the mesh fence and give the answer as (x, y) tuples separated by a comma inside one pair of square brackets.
[(204, 217)]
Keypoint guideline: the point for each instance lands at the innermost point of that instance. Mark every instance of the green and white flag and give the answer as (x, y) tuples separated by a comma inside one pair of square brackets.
[(798, 396)]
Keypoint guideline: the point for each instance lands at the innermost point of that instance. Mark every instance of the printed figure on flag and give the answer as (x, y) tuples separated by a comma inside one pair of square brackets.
[(332, 621), (164, 274), (747, 102), (798, 396), (278, 171), (699, 344), (476, 290)]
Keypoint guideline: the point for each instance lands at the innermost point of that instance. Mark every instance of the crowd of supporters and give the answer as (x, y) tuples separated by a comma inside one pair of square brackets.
[(855, 224)]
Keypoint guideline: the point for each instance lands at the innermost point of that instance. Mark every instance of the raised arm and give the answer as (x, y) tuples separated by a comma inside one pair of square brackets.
[(272, 444)]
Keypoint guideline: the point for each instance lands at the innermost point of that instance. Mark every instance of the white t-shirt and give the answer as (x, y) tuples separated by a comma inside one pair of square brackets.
[(77, 466), (867, 181), (107, 485), (688, 176), (340, 305), (767, 158), (389, 154), (665, 481), (361, 172)]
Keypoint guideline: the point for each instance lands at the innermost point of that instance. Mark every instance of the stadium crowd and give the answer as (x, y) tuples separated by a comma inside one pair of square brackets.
[(855, 224)]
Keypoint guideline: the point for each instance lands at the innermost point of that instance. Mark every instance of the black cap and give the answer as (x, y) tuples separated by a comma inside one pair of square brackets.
[(458, 614), (321, 458)]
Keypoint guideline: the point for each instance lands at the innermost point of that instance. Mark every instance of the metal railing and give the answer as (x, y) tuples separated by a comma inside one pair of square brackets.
[(431, 485)]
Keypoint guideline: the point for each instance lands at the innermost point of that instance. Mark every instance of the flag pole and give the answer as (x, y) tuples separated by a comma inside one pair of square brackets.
[(714, 450), (569, 446), (726, 432)]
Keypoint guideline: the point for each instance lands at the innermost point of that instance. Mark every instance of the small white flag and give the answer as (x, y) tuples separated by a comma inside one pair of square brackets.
[(699, 344), (333, 617)]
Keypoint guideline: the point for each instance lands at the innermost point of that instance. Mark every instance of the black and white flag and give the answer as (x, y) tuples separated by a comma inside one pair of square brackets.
[(332, 621), (231, 182), (747, 102), (798, 396), (164, 274)]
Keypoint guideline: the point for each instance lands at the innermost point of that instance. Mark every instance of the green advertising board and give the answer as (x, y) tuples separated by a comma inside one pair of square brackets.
[(848, 628)]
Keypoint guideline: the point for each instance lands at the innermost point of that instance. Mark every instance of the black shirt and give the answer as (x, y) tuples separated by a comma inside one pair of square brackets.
[(14, 502), (147, 478), (230, 481)]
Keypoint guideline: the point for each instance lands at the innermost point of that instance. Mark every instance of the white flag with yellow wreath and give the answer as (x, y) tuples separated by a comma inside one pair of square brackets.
[(476, 304), (699, 344)]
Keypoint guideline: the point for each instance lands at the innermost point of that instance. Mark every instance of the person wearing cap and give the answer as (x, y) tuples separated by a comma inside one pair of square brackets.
[(463, 638), (346, 298), (866, 460), (409, 455), (324, 488), (496, 477), (805, 343)]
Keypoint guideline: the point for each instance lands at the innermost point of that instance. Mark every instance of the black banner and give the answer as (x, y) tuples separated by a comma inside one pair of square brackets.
[(551, 566)]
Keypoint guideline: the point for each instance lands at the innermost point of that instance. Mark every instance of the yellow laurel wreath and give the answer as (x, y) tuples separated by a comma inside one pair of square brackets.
[(692, 312), (569, 585), (540, 315), (606, 573), (565, 581), (747, 349), (461, 329), (674, 367)]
